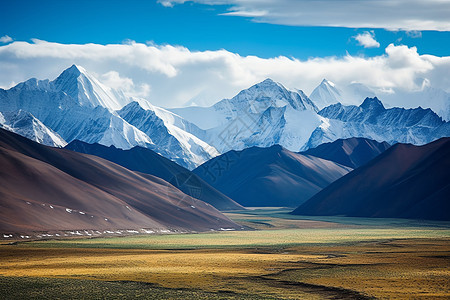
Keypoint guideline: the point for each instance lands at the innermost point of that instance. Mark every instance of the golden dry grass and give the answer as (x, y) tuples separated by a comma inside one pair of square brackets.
[(308, 263)]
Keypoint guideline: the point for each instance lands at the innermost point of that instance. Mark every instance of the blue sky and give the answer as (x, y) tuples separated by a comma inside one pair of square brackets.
[(170, 51), (195, 26)]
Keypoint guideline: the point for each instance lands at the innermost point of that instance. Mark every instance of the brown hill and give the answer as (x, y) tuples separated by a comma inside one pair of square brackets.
[(353, 152), (405, 181), (44, 188), (147, 161), (271, 176)]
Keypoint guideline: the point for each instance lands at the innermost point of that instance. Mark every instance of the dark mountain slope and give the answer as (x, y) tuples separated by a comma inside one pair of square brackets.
[(147, 161), (44, 188), (405, 181), (270, 176), (352, 152)]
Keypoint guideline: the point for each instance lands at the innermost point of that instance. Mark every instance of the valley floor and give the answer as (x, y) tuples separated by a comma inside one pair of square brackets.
[(287, 257)]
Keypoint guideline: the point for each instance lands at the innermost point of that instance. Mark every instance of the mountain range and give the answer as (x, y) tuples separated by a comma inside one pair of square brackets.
[(267, 114), (76, 106), (130, 166), (50, 189), (351, 152), (372, 120), (438, 100), (272, 176), (147, 161), (405, 181)]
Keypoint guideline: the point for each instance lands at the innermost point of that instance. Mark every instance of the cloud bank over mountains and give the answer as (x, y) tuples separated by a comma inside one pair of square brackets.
[(392, 14), (174, 76)]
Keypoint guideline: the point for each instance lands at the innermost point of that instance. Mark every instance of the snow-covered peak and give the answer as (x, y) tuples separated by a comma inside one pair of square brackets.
[(33, 84), (73, 71), (372, 104), (174, 137), (267, 83), (87, 90), (263, 95), (326, 93), (327, 82)]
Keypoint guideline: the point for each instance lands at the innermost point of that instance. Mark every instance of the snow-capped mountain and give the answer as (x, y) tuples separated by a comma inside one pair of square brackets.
[(428, 97), (372, 120), (172, 141), (268, 114), (77, 106), (326, 93), (263, 115), (77, 83), (25, 124)]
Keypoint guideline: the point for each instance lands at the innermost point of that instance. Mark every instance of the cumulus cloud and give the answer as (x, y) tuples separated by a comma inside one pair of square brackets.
[(178, 76), (6, 39), (367, 40), (392, 14), (114, 80)]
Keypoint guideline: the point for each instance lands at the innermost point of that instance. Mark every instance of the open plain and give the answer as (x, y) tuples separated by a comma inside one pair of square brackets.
[(285, 257)]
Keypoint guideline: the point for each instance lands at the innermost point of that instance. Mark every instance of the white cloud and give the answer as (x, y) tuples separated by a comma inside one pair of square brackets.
[(114, 80), (367, 40), (392, 14), (250, 14), (6, 39), (178, 76), (166, 3), (415, 34)]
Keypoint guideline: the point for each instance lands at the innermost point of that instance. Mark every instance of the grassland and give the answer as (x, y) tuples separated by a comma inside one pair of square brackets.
[(287, 257)]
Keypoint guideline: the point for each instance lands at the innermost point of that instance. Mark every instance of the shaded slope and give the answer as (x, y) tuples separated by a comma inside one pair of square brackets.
[(405, 181), (270, 176), (34, 178), (147, 161), (352, 152)]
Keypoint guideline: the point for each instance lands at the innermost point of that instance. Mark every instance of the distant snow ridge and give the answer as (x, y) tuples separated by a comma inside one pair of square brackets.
[(267, 114), (76, 106), (263, 115), (25, 124), (326, 93), (77, 83), (168, 138), (372, 120)]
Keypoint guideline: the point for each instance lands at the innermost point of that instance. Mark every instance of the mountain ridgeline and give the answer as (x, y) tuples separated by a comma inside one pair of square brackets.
[(352, 152), (77, 106), (149, 162), (271, 176), (143, 166), (405, 181), (50, 189)]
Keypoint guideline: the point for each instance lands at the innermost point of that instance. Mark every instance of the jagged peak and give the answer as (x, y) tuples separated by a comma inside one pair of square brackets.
[(369, 103), (132, 105), (268, 82), (327, 82), (73, 73), (75, 70)]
